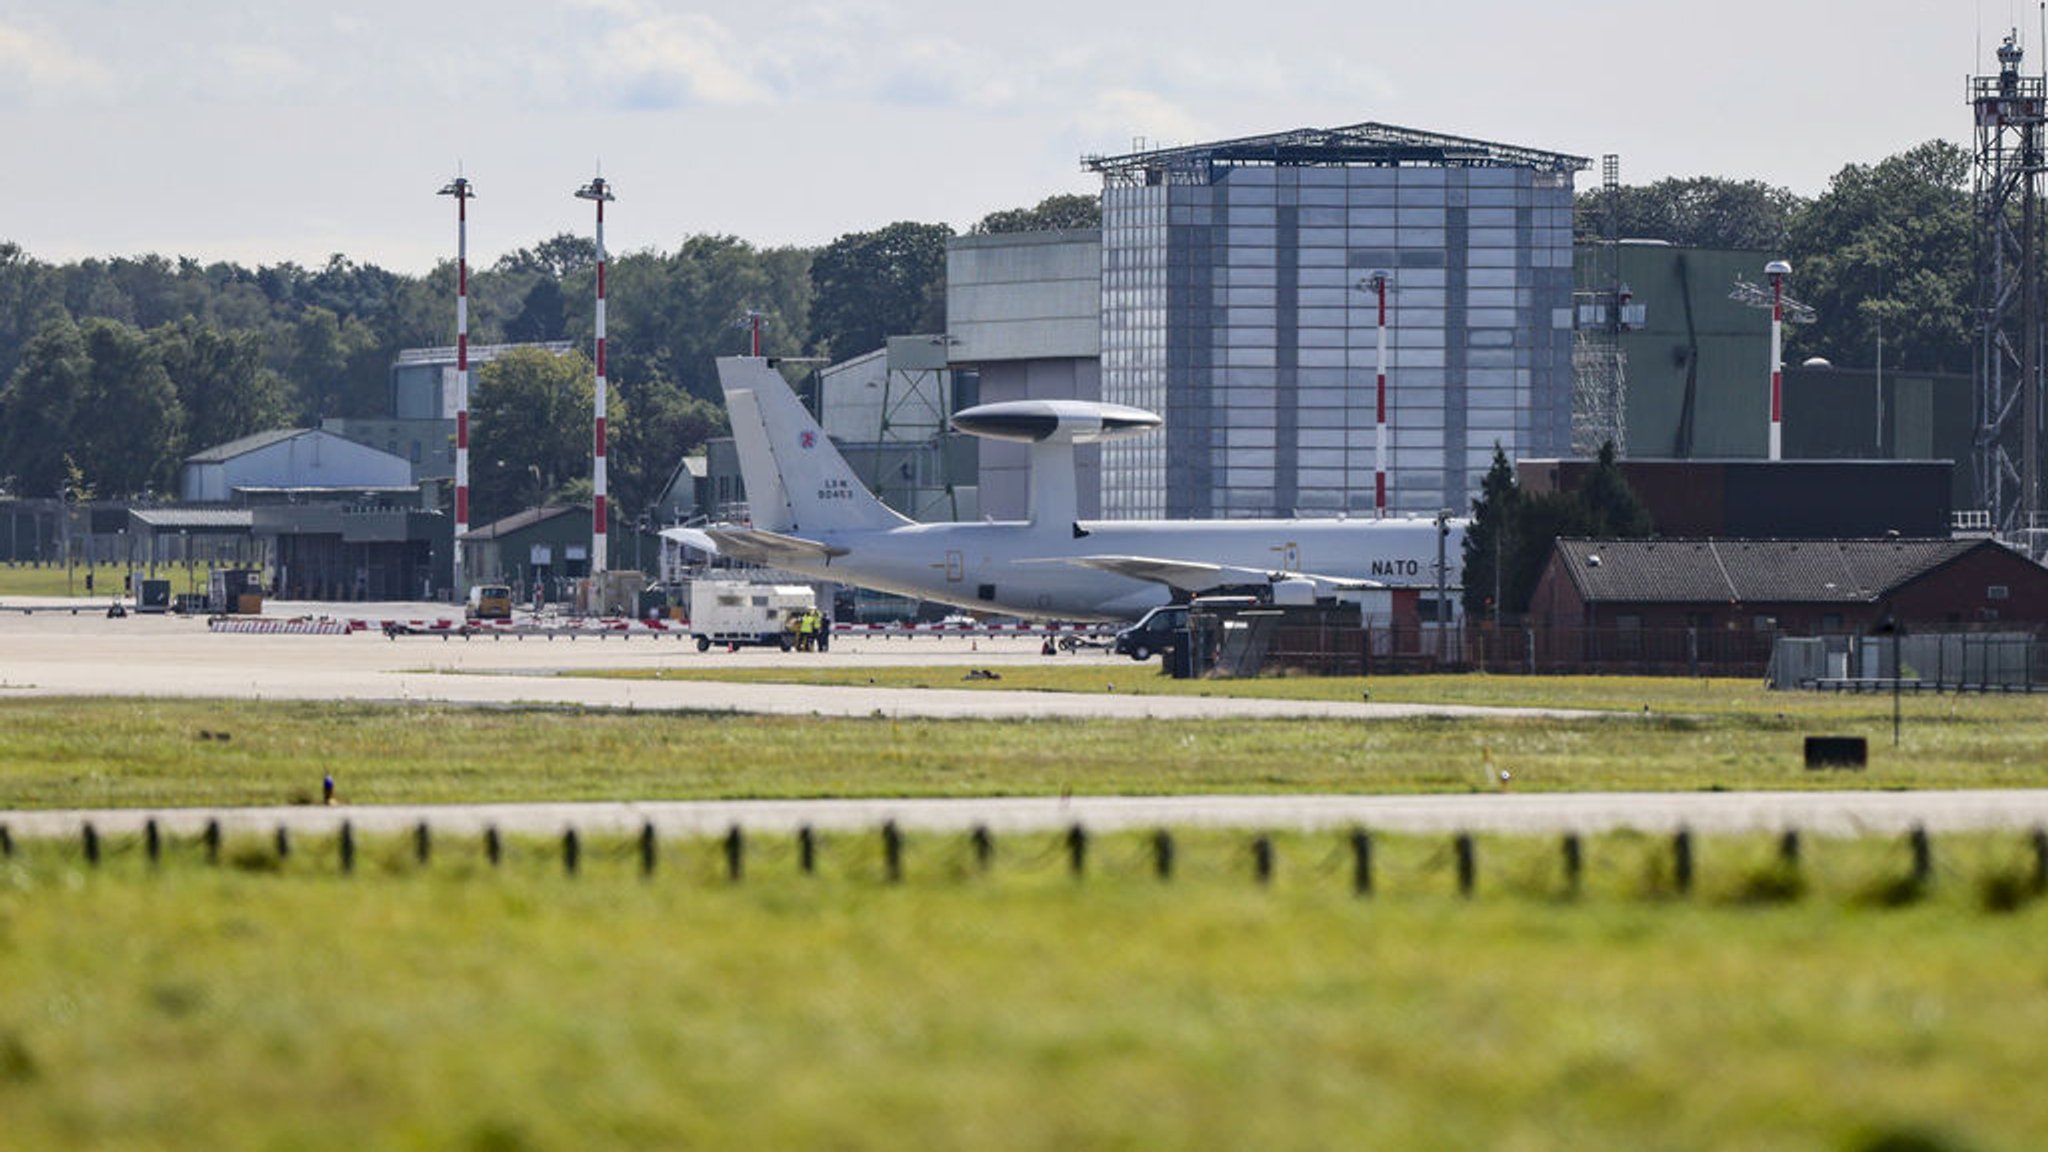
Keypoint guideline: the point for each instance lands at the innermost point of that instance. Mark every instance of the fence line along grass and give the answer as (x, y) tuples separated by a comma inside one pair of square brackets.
[(1999, 873), (457, 1005), (162, 753)]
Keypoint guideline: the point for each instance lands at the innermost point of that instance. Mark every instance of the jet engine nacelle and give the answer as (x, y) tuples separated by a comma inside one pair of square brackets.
[(1057, 421)]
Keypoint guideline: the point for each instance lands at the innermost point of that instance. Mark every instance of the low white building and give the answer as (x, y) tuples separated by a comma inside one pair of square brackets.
[(289, 458)]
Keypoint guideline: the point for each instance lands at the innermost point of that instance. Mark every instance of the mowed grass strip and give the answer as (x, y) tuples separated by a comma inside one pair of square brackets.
[(58, 580), (1658, 695), (461, 1006), (141, 753)]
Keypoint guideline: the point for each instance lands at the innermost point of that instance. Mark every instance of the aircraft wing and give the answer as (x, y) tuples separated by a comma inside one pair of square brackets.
[(757, 545), (692, 538), (1201, 576), (760, 546)]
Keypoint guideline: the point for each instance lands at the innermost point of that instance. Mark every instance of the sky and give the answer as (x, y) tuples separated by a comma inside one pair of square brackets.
[(286, 130)]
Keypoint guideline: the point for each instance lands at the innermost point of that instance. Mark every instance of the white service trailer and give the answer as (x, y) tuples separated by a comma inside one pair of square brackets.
[(738, 612)]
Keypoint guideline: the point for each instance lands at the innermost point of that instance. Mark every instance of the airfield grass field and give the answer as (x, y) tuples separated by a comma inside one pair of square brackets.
[(57, 580), (261, 1003), (1696, 735), (1658, 695), (255, 1004)]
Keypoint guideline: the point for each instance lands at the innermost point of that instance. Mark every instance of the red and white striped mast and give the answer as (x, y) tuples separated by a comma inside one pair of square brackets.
[(1378, 281), (462, 190), (1777, 270), (600, 192)]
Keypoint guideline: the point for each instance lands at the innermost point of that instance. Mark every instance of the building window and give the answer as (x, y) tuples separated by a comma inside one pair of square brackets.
[(1998, 592)]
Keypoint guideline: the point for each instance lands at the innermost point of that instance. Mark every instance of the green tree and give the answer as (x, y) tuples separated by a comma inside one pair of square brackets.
[(1612, 508), (558, 257), (1487, 536), (869, 286), (542, 314), (129, 429), (335, 366), (530, 433), (1071, 210), (1695, 212), (39, 408), (28, 300), (667, 424), (1890, 244), (221, 382), (670, 316), (1522, 528)]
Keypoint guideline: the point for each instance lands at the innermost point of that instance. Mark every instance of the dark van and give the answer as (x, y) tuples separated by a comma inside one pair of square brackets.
[(1155, 631)]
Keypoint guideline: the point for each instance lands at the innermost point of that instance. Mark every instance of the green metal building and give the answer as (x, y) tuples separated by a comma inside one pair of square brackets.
[(1696, 365)]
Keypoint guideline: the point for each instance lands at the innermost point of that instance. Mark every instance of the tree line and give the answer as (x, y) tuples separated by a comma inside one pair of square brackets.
[(116, 370)]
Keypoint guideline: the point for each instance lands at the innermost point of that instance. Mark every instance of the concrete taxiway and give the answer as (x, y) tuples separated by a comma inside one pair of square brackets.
[(54, 651), (1817, 813)]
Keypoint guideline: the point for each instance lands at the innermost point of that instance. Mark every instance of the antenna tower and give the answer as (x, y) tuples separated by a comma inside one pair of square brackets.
[(1604, 310), (2009, 112)]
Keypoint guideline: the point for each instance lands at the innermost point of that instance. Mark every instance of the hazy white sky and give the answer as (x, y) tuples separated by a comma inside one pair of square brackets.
[(285, 130)]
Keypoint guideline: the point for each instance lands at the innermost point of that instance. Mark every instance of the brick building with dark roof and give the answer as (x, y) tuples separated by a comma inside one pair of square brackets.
[(1790, 587)]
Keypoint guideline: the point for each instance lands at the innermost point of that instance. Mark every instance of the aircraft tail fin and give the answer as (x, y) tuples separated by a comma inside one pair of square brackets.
[(796, 479)]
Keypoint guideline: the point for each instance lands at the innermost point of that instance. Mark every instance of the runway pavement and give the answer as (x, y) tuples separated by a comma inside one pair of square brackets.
[(54, 652), (1817, 813)]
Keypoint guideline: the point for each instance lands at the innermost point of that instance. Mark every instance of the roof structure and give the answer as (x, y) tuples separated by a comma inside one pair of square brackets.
[(221, 453), (1751, 571), (164, 519), (1368, 144), (520, 521)]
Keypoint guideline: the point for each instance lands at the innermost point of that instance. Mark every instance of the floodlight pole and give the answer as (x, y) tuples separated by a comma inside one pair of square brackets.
[(600, 192), (1377, 282), (462, 190), (1777, 270)]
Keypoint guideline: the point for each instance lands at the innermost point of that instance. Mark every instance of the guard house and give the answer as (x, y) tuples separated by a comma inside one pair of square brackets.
[(540, 547)]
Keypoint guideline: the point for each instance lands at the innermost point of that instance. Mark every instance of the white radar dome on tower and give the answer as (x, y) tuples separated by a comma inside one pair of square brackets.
[(1063, 421)]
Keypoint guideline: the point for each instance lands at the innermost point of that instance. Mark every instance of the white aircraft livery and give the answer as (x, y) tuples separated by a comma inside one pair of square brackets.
[(811, 515)]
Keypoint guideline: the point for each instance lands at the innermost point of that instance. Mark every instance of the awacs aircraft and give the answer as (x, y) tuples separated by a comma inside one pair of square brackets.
[(811, 515)]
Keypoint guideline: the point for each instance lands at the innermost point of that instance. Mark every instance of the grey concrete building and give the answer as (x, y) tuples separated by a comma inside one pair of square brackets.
[(1024, 311), (1231, 304)]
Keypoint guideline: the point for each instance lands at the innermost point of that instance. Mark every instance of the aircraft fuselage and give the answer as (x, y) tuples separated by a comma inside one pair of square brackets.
[(1015, 568)]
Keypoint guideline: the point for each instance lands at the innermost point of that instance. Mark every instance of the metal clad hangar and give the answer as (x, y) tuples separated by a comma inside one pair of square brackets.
[(1232, 305)]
